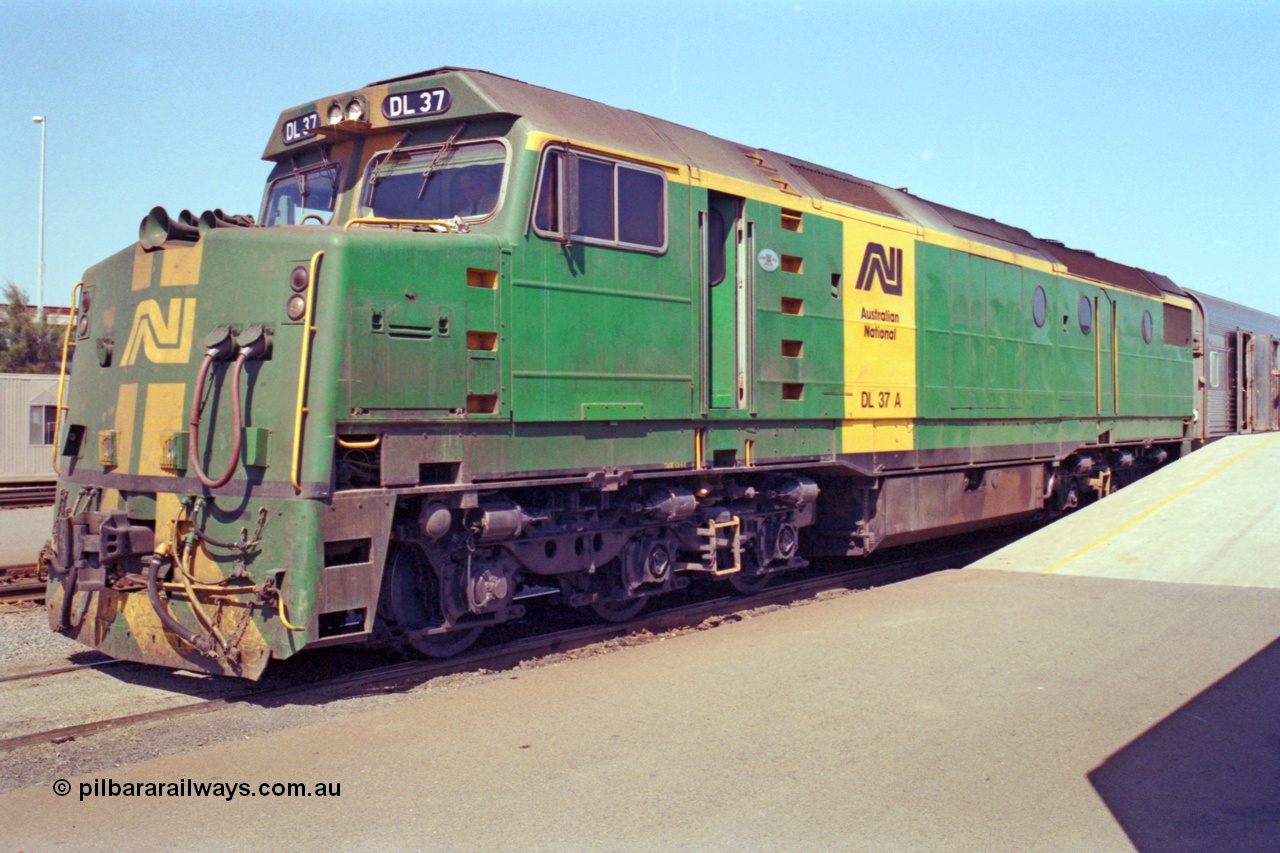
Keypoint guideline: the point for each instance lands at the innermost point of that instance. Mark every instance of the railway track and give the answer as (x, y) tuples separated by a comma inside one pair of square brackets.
[(520, 649), (20, 583), (20, 497)]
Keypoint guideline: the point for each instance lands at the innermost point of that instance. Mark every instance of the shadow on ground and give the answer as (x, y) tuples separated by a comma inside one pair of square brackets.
[(1207, 777)]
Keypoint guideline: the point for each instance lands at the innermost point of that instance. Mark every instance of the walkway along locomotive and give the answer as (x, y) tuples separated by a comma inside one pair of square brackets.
[(488, 342)]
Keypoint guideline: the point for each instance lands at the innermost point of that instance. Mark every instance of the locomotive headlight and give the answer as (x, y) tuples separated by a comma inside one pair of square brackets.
[(296, 307), (355, 110), (82, 325), (335, 113), (298, 278)]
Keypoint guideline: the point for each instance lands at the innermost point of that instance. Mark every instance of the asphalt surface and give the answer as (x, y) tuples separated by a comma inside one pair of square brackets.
[(985, 709), (960, 711)]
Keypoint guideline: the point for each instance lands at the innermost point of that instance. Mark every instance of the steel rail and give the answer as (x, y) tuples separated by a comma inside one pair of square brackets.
[(558, 642), (43, 673), (22, 591), (21, 497)]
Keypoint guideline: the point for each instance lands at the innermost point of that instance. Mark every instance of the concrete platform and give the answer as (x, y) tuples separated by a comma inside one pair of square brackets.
[(968, 710), (1212, 517), (22, 533), (1110, 683)]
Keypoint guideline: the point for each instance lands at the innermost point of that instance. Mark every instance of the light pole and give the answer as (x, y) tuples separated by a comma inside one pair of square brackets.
[(44, 126)]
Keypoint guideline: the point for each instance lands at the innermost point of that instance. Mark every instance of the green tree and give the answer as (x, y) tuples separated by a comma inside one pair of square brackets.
[(27, 344)]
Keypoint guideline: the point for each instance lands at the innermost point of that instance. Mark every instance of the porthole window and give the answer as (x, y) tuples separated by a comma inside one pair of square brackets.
[(1085, 312), (1039, 307), (1148, 327)]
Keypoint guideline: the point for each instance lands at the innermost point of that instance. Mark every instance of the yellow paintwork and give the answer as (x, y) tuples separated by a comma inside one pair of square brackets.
[(143, 267), (163, 339), (880, 347), (537, 140), (162, 412), (94, 619), (876, 436), (167, 508), (180, 265), (73, 322), (126, 416)]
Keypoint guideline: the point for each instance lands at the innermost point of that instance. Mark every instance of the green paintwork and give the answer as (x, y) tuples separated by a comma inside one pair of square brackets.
[(989, 376), (584, 358)]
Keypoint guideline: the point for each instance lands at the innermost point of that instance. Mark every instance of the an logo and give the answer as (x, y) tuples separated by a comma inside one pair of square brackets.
[(163, 339), (882, 266)]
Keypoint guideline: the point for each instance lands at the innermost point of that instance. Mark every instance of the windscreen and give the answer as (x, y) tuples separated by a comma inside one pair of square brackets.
[(436, 183), (301, 194)]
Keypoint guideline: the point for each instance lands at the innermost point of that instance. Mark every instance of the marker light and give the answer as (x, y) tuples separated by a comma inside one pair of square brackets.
[(296, 307), (298, 278)]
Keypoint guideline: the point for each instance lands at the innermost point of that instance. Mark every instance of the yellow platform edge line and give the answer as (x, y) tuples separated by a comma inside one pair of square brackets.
[(1157, 507)]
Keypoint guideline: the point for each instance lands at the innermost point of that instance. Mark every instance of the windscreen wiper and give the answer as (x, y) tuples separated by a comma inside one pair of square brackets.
[(449, 145), (377, 173)]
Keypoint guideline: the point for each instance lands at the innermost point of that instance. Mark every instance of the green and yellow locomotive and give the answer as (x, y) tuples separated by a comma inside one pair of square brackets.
[(488, 342)]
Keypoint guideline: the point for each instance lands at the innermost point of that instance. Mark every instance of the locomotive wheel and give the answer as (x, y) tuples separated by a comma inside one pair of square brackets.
[(409, 605), (443, 645), (618, 611)]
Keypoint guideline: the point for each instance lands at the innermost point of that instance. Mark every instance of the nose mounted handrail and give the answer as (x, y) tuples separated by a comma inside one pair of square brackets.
[(304, 368), (438, 225), (72, 323)]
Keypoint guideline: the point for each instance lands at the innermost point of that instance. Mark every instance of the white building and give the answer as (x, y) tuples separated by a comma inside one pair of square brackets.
[(28, 411)]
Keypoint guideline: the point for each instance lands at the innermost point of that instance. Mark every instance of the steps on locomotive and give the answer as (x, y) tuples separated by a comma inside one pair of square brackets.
[(1212, 517)]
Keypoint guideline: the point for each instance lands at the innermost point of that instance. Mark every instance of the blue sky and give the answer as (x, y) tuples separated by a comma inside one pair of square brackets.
[(1146, 132)]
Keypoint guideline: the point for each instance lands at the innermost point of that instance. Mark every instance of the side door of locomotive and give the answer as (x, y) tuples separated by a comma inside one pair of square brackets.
[(725, 305)]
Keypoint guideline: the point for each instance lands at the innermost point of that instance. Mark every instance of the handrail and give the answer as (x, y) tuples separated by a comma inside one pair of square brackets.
[(303, 368), (72, 323), (360, 445), (399, 224)]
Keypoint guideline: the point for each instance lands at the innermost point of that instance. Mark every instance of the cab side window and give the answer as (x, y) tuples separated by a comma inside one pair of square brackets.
[(589, 199)]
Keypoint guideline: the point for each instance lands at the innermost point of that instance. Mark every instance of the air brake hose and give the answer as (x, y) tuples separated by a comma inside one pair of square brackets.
[(202, 617), (200, 644), (68, 593), (197, 404)]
